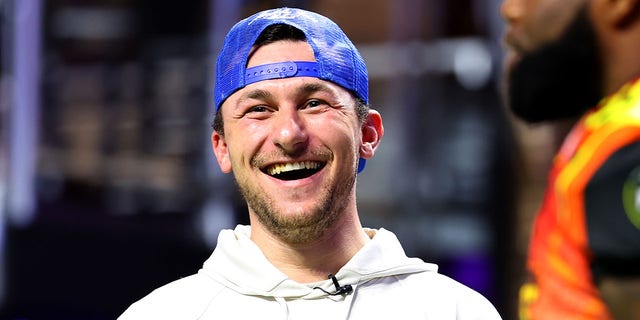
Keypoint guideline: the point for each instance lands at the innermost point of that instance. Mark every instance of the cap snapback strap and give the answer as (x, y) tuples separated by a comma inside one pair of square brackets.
[(279, 70)]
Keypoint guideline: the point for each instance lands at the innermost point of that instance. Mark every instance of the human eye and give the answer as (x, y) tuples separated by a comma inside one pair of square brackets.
[(256, 112), (257, 109), (315, 103)]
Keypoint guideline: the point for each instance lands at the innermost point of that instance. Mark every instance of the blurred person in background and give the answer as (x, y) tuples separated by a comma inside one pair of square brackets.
[(580, 59), (294, 126)]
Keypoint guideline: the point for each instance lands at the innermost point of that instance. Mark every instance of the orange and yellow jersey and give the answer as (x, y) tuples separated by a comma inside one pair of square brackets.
[(589, 224)]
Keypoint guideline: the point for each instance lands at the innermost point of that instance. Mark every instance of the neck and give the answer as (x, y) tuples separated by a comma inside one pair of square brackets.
[(313, 261), (620, 74)]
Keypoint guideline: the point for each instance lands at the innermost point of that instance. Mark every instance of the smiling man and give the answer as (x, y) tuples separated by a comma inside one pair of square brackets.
[(294, 127)]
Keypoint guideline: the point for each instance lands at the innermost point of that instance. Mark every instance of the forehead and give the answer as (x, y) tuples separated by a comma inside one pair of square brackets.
[(289, 89), (279, 51)]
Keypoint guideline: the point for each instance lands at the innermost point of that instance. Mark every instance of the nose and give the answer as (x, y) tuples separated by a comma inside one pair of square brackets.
[(512, 10), (289, 132)]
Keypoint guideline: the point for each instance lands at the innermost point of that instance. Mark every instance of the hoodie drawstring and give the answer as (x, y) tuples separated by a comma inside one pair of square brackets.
[(284, 306), (350, 301)]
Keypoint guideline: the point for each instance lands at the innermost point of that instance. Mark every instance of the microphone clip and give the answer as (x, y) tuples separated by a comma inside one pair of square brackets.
[(340, 290)]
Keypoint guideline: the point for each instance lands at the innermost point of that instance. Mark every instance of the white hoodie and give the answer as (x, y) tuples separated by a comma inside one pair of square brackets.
[(238, 282)]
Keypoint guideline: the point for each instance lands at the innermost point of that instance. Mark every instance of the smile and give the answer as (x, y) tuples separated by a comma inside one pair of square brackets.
[(293, 170)]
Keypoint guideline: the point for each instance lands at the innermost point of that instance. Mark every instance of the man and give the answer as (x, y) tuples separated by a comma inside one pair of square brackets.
[(580, 59), (294, 126)]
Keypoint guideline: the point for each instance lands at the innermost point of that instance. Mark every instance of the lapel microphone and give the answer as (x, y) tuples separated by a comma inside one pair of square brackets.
[(346, 289)]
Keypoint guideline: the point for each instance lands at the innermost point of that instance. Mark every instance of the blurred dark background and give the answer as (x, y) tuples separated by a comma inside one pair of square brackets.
[(109, 188)]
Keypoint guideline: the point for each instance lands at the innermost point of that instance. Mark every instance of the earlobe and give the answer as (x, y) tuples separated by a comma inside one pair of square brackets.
[(221, 151), (372, 132)]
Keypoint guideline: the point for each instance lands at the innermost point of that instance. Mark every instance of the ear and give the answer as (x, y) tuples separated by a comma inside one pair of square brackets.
[(221, 151), (372, 132), (617, 13)]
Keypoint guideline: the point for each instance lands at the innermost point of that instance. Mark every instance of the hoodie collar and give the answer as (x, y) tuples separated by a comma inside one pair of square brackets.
[(240, 265)]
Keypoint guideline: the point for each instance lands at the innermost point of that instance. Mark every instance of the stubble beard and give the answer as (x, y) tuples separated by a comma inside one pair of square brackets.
[(302, 227)]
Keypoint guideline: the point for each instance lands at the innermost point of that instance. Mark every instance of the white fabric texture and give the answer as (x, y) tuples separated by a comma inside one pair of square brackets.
[(238, 282)]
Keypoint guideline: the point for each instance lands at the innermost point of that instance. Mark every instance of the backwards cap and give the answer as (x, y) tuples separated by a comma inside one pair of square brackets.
[(337, 59)]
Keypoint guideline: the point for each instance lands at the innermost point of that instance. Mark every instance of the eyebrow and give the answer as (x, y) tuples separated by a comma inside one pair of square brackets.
[(306, 89), (310, 88), (257, 94)]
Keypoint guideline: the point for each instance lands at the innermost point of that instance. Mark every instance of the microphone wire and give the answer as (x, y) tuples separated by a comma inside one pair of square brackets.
[(346, 289)]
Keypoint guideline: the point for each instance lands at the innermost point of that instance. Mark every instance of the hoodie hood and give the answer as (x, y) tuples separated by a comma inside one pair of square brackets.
[(238, 264), (238, 282)]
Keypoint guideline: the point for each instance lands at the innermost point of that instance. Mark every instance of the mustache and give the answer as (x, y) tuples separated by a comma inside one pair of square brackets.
[(511, 42), (260, 160)]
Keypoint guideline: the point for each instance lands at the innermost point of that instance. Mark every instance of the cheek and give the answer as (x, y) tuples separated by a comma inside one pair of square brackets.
[(244, 141), (253, 132), (339, 135), (551, 19), (247, 134), (332, 126)]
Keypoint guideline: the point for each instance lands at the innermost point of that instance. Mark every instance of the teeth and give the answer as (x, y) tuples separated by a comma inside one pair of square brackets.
[(286, 167)]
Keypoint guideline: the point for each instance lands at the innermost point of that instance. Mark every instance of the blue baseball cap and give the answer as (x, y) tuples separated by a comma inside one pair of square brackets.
[(337, 59)]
